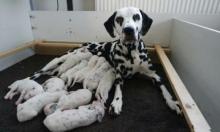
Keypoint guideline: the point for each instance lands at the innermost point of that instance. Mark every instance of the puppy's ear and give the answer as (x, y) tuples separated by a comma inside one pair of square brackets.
[(110, 24), (146, 23)]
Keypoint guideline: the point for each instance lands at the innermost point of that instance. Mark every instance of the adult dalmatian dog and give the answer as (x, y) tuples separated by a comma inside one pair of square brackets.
[(128, 54)]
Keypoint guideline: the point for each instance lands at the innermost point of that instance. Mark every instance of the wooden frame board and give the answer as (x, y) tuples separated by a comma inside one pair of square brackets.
[(194, 117)]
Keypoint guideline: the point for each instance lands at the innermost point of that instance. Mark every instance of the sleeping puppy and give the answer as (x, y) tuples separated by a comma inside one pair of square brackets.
[(27, 88), (35, 105), (66, 120), (72, 100)]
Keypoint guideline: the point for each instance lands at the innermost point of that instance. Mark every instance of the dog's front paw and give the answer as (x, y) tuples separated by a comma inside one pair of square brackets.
[(174, 105), (116, 107)]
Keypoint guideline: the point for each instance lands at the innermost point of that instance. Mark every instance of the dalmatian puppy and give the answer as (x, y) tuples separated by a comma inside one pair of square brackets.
[(68, 75), (71, 61), (27, 89), (66, 120), (34, 105), (63, 63), (100, 61), (54, 84), (105, 85), (92, 80), (70, 101)]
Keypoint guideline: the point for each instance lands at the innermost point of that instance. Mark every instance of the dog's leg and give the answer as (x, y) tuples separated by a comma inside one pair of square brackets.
[(116, 105), (20, 99), (13, 94), (146, 67), (12, 90)]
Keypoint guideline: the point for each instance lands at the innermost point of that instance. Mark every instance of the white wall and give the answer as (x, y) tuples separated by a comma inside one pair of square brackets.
[(15, 29), (78, 5), (195, 55), (88, 25)]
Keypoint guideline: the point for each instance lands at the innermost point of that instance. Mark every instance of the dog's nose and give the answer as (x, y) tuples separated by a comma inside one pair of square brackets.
[(128, 31)]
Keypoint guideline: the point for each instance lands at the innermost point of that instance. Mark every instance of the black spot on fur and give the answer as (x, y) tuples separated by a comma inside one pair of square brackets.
[(118, 81), (85, 44), (59, 63), (110, 24), (117, 98), (143, 57), (92, 46)]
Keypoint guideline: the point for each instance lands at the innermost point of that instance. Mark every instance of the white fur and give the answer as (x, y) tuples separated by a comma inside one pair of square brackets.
[(127, 14), (27, 89), (54, 84), (71, 119), (70, 101), (82, 73), (68, 75), (33, 106), (170, 102), (54, 63), (105, 85), (71, 61), (74, 99), (92, 80)]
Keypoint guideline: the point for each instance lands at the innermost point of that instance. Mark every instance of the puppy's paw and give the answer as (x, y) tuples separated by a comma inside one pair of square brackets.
[(116, 107)]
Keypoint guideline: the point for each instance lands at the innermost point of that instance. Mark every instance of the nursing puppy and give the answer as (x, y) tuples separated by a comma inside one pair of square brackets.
[(92, 80), (61, 64), (105, 85), (26, 88), (54, 84), (68, 76)]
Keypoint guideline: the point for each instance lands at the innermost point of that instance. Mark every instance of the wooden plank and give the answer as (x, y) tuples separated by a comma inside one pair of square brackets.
[(193, 115), (18, 49), (60, 47), (46, 48)]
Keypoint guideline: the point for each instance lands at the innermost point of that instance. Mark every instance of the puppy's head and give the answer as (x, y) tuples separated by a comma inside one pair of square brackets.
[(128, 23)]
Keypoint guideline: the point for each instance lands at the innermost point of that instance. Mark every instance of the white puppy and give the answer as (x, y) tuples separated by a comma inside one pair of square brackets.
[(54, 84), (70, 101), (70, 119), (49, 69), (92, 80), (27, 89), (33, 106), (68, 75), (71, 61), (105, 85)]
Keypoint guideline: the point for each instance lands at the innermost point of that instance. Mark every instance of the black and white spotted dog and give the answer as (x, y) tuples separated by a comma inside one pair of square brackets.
[(128, 54)]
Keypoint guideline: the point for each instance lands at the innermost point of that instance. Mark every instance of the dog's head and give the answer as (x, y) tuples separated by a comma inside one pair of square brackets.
[(129, 23)]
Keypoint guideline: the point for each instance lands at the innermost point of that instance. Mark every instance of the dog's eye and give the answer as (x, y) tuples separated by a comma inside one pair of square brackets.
[(136, 17), (119, 20)]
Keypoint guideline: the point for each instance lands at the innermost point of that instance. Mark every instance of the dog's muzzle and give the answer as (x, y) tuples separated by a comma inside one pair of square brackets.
[(129, 34)]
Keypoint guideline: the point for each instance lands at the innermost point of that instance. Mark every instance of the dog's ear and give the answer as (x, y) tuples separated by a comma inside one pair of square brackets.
[(110, 24), (146, 23)]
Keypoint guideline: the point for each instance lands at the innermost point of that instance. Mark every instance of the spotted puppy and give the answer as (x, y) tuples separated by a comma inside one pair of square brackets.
[(128, 55)]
